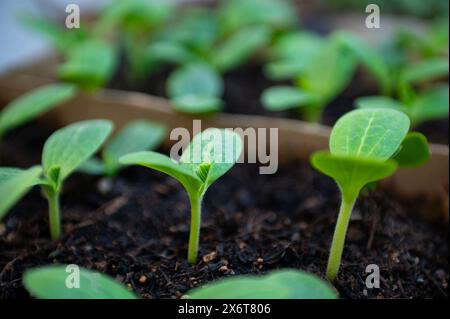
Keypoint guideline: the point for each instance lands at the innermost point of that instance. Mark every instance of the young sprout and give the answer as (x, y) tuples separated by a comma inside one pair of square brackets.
[(391, 74), (432, 104), (89, 64), (195, 89), (209, 156), (281, 284), (140, 135), (71, 282), (365, 146), (64, 151), (326, 72), (33, 104)]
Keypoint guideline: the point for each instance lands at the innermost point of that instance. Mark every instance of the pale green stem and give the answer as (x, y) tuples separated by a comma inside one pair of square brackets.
[(196, 217), (54, 213), (337, 246)]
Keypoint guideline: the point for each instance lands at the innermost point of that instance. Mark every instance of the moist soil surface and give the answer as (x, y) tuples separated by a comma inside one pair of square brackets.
[(137, 231), (243, 89)]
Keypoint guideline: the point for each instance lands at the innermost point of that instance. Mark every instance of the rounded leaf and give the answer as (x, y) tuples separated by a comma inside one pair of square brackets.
[(60, 282), (281, 98), (284, 284), (369, 133), (70, 146)]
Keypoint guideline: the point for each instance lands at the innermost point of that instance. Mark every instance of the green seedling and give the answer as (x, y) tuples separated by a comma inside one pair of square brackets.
[(195, 89), (33, 104), (363, 147), (432, 104), (393, 75), (64, 151), (90, 64), (282, 284), (137, 136), (72, 282), (326, 71), (209, 156)]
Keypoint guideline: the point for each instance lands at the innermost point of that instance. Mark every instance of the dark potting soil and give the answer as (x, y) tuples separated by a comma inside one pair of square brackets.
[(138, 231), (243, 89)]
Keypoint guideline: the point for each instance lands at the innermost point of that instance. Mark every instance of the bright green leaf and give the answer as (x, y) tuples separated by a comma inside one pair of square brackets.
[(369, 133), (414, 151), (34, 104), (380, 102), (197, 104), (352, 173), (69, 147), (14, 184), (426, 70), (51, 282), (283, 284)]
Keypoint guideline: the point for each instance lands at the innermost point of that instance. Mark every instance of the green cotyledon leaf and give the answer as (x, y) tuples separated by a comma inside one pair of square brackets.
[(71, 282), (414, 151), (282, 284), (14, 184), (34, 104), (369, 133), (212, 153), (66, 149)]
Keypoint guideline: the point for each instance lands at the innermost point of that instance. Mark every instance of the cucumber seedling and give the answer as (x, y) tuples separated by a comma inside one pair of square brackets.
[(136, 136), (64, 151), (73, 282), (365, 146), (209, 156), (429, 105), (323, 74), (281, 284)]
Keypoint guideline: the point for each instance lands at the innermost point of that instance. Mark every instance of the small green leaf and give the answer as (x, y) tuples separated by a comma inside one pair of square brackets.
[(165, 164), (240, 47), (369, 133), (197, 104), (283, 284), (414, 151), (56, 282), (90, 65), (426, 70), (380, 102), (352, 173), (195, 79), (301, 46), (34, 104), (329, 72), (69, 147), (137, 136), (14, 184), (430, 105), (280, 98)]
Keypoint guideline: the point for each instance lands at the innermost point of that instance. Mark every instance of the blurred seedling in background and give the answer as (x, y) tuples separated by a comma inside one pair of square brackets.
[(207, 43), (66, 282), (64, 151), (281, 284), (429, 105), (136, 136), (320, 67), (366, 146), (33, 104), (209, 156)]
